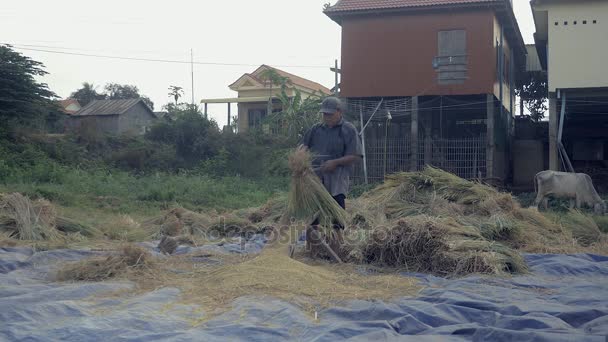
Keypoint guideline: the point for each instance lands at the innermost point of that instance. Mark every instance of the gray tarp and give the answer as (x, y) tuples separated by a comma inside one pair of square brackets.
[(564, 299)]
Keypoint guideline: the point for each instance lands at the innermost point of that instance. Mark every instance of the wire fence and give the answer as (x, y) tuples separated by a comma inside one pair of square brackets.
[(463, 157)]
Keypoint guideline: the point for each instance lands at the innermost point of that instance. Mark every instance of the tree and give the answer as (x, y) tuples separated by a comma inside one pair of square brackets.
[(176, 92), (195, 137), (22, 98), (272, 78), (112, 91), (86, 94), (298, 114), (533, 93), (115, 91)]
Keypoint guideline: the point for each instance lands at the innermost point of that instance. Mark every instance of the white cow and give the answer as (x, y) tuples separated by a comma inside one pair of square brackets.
[(577, 187)]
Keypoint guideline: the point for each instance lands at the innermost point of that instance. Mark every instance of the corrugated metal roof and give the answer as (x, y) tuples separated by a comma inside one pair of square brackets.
[(366, 5), (108, 107)]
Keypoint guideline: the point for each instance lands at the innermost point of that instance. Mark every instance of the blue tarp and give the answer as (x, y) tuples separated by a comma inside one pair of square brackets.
[(565, 298)]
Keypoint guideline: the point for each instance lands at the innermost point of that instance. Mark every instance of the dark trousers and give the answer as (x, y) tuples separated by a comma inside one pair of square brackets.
[(341, 200)]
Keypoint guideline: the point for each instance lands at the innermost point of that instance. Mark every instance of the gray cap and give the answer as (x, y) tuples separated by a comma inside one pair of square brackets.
[(331, 104)]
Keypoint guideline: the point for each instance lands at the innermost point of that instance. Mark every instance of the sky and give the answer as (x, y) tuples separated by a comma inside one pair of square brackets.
[(293, 35)]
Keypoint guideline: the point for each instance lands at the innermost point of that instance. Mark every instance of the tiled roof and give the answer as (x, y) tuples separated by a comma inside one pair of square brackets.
[(343, 6), (108, 107), (295, 80)]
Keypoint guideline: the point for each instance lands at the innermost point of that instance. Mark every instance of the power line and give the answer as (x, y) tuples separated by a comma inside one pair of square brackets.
[(18, 46)]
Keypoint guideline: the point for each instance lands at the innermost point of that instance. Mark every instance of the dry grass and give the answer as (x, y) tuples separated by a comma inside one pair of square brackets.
[(124, 228), (27, 220), (427, 244), (216, 285), (307, 196), (130, 257), (425, 214), (6, 240), (272, 274)]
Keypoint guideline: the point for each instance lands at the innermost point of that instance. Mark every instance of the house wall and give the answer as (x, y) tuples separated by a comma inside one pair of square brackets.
[(261, 92), (506, 90), (577, 54), (393, 55), (103, 124), (243, 112), (135, 121)]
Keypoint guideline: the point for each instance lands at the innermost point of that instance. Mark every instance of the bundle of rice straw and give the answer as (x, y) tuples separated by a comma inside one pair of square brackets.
[(427, 244), (27, 220), (307, 196), (584, 229), (101, 268)]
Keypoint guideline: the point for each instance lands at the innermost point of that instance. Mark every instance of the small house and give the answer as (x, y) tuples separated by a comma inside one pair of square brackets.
[(257, 94), (115, 117)]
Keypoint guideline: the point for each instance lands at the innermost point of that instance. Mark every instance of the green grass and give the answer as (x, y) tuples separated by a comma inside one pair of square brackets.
[(123, 192)]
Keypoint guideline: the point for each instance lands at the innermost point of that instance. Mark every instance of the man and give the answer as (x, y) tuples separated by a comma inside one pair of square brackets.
[(335, 146)]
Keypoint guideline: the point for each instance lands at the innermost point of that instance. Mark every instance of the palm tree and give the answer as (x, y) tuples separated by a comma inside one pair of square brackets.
[(176, 92)]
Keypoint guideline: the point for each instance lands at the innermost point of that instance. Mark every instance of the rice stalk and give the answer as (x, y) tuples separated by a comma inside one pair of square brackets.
[(27, 220), (102, 268), (307, 196)]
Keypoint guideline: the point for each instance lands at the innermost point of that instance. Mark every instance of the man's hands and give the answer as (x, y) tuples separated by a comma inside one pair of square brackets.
[(329, 166)]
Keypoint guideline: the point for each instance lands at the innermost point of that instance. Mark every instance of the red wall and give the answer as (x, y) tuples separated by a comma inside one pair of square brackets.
[(393, 55)]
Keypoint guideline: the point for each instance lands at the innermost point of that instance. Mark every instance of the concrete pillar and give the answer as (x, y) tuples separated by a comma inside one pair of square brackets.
[(414, 133), (490, 144), (553, 124)]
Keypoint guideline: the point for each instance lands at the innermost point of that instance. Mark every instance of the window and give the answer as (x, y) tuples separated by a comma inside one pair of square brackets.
[(565, 23), (256, 116), (595, 21), (556, 23), (451, 61), (584, 22)]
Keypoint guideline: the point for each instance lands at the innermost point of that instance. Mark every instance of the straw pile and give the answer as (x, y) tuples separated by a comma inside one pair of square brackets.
[(433, 221), (24, 219), (307, 196), (27, 220), (130, 257), (179, 221), (274, 274)]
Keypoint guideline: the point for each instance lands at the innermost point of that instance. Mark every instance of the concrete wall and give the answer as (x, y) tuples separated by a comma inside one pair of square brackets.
[(577, 54), (528, 160), (135, 121), (506, 90)]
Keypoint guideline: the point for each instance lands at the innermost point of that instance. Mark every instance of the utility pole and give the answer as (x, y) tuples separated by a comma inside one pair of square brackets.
[(192, 73), (336, 77)]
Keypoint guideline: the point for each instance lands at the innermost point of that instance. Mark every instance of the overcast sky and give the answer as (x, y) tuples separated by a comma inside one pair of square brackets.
[(293, 35)]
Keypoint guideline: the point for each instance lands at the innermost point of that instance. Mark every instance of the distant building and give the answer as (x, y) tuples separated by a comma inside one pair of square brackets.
[(255, 91), (131, 116), (435, 79), (572, 45), (70, 106)]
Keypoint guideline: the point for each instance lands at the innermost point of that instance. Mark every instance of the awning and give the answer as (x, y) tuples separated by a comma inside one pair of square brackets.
[(238, 99)]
